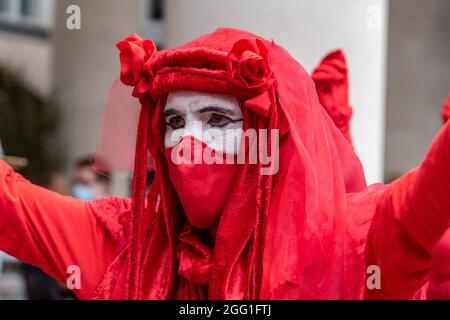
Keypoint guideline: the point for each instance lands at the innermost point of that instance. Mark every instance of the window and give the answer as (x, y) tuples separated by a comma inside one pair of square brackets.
[(152, 20), (29, 8), (4, 5), (156, 12), (26, 13)]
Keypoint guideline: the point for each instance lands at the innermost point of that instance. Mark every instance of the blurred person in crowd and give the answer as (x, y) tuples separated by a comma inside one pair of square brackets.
[(58, 182), (87, 183), (307, 227)]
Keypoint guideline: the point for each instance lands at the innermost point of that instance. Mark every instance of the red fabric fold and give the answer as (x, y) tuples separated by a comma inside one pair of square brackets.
[(193, 256), (439, 288)]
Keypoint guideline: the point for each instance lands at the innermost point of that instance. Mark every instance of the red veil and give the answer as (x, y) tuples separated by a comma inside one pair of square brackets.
[(281, 236)]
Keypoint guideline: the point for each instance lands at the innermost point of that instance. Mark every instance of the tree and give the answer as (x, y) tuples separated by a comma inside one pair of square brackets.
[(28, 124)]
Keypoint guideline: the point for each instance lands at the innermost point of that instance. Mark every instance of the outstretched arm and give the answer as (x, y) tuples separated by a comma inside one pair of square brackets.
[(51, 231), (411, 217)]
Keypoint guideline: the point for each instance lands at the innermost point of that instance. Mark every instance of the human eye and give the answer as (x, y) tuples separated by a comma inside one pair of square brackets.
[(219, 120), (176, 122)]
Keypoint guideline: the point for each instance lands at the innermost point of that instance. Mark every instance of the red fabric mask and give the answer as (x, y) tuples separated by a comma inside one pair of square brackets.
[(202, 188)]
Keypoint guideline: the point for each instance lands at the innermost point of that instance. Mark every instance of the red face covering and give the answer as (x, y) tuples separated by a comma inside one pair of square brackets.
[(203, 188)]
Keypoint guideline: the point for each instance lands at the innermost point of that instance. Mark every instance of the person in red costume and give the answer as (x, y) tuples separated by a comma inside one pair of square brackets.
[(331, 79), (307, 231), (446, 110)]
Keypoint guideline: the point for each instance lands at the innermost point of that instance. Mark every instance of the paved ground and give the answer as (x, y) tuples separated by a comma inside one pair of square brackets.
[(12, 286)]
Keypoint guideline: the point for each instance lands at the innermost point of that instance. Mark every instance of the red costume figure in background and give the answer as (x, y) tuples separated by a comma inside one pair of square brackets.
[(331, 79), (446, 110), (308, 232)]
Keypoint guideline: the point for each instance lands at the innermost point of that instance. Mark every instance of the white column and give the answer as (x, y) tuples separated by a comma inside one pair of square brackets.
[(85, 64), (418, 80)]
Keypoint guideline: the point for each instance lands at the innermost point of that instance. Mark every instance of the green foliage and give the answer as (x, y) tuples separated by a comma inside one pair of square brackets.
[(27, 126)]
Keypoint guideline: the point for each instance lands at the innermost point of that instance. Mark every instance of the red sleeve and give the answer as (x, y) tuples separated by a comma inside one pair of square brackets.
[(411, 216), (52, 231), (439, 288)]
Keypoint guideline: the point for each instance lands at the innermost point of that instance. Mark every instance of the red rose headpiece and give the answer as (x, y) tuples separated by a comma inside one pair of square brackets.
[(135, 53)]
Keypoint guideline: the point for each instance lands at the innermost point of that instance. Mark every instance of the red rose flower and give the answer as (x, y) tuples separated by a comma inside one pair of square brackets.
[(248, 64), (134, 53)]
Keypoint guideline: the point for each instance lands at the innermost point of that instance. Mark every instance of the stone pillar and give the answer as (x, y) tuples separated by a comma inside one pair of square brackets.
[(85, 64), (418, 80)]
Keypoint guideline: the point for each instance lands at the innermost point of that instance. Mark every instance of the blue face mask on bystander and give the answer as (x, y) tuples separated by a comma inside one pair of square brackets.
[(83, 192)]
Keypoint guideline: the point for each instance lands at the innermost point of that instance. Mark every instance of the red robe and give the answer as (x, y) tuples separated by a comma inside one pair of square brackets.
[(309, 232)]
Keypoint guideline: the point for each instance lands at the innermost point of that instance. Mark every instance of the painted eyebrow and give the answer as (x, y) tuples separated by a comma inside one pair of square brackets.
[(170, 112), (217, 109)]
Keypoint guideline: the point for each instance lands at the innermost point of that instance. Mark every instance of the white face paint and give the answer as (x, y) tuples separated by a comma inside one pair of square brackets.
[(214, 119)]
